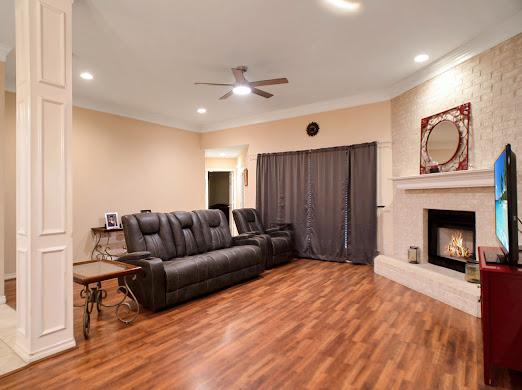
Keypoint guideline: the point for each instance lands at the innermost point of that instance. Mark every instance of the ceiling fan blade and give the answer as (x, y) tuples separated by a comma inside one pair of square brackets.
[(269, 82), (261, 93), (239, 75), (226, 96), (227, 85)]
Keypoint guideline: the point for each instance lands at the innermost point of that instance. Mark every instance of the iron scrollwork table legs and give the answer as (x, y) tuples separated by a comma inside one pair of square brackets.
[(94, 296)]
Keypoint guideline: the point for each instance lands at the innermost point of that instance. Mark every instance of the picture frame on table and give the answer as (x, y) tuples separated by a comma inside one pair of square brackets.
[(112, 221)]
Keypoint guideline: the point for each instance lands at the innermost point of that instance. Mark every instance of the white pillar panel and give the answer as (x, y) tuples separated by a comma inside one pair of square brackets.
[(44, 187), (3, 55)]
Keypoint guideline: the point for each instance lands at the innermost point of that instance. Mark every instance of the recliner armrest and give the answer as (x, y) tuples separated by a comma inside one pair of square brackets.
[(150, 284), (244, 240), (242, 236), (135, 256), (280, 233)]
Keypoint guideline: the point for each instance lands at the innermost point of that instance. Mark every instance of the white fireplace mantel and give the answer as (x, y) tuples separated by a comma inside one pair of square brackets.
[(457, 179)]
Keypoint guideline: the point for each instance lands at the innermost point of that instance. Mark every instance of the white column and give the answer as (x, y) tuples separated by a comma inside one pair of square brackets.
[(43, 178), (4, 50)]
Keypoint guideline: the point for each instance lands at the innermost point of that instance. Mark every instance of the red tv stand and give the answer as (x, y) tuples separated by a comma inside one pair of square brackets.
[(501, 298)]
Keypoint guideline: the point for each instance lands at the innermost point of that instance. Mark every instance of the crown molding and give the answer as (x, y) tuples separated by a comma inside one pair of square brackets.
[(330, 105), (4, 51), (155, 118), (484, 41)]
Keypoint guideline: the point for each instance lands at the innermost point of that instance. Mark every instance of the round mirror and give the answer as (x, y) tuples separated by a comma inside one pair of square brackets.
[(443, 142)]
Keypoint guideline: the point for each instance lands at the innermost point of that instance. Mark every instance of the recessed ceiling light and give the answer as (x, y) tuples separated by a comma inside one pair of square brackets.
[(202, 110), (86, 76), (345, 4), (242, 90), (222, 155), (421, 58)]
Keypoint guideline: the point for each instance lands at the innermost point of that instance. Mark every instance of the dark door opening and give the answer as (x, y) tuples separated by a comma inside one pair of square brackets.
[(219, 192)]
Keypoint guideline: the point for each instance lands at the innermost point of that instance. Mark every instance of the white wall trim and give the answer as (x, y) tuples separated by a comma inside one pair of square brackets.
[(133, 113), (4, 52), (44, 352), (10, 276), (457, 179), (330, 105)]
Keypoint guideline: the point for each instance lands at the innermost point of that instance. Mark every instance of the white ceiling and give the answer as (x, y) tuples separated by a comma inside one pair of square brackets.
[(146, 55)]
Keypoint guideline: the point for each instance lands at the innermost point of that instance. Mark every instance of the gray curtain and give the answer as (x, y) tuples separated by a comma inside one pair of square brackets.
[(330, 196)]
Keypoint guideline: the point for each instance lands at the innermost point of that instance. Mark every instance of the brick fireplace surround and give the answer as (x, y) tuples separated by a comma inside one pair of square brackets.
[(492, 82)]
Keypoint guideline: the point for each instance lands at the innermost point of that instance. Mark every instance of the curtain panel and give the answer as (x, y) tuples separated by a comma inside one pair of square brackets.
[(329, 195)]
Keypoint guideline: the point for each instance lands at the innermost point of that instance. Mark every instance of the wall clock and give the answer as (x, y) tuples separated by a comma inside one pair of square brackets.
[(312, 129)]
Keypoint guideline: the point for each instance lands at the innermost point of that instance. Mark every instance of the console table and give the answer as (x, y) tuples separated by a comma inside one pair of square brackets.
[(102, 251), (501, 297)]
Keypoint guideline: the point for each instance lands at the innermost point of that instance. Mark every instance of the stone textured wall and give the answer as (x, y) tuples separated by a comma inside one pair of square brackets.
[(492, 82)]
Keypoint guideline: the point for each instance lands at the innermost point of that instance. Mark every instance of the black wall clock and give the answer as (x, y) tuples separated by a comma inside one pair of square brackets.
[(312, 129)]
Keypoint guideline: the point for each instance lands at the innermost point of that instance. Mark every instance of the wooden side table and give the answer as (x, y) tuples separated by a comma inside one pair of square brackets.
[(90, 274), (102, 251)]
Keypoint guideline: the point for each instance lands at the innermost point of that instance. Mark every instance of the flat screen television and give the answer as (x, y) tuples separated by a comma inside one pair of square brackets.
[(506, 218)]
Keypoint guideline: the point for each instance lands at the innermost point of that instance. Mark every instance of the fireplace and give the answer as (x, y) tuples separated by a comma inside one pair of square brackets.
[(451, 238)]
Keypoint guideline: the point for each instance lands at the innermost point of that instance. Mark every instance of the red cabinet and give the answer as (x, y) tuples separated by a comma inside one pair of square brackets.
[(501, 298)]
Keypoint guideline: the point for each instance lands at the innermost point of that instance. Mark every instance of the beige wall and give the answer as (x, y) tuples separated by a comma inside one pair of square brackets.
[(122, 165), (340, 127), (492, 82), (217, 164)]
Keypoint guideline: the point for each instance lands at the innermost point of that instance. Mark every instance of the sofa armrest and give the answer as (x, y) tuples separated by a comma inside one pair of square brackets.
[(243, 236), (244, 240), (134, 256), (149, 285)]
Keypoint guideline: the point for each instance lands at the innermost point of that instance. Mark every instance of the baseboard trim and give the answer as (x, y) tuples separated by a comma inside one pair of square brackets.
[(45, 352), (10, 276), (2, 299)]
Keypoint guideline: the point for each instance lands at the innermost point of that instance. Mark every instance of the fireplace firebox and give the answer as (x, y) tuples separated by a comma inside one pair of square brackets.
[(451, 238)]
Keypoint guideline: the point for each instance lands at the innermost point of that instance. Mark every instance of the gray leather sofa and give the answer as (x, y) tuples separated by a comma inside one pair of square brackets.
[(186, 254), (279, 240)]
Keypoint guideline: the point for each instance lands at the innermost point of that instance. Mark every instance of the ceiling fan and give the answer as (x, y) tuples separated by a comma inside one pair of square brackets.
[(243, 87)]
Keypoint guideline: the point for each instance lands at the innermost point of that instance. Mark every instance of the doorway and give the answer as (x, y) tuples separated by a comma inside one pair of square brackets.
[(220, 191)]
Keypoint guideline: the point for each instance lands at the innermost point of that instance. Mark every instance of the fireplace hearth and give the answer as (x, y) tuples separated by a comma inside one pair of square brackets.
[(451, 238)]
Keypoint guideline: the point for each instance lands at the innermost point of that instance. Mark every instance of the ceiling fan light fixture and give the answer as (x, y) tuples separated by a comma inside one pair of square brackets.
[(242, 90)]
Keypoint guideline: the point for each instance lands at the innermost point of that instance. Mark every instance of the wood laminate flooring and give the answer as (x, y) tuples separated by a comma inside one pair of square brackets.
[(305, 325)]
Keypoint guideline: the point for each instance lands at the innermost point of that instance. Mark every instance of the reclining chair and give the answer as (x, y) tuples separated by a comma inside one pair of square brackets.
[(279, 240)]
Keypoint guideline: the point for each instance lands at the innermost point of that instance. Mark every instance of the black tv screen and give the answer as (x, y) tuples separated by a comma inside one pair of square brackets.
[(506, 222)]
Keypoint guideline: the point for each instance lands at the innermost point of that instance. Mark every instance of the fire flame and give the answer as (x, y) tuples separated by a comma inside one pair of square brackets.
[(456, 246)]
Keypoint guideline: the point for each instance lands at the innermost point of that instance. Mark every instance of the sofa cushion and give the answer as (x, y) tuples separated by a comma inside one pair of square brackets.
[(185, 271), (149, 232), (188, 235), (215, 229), (189, 270), (233, 259)]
